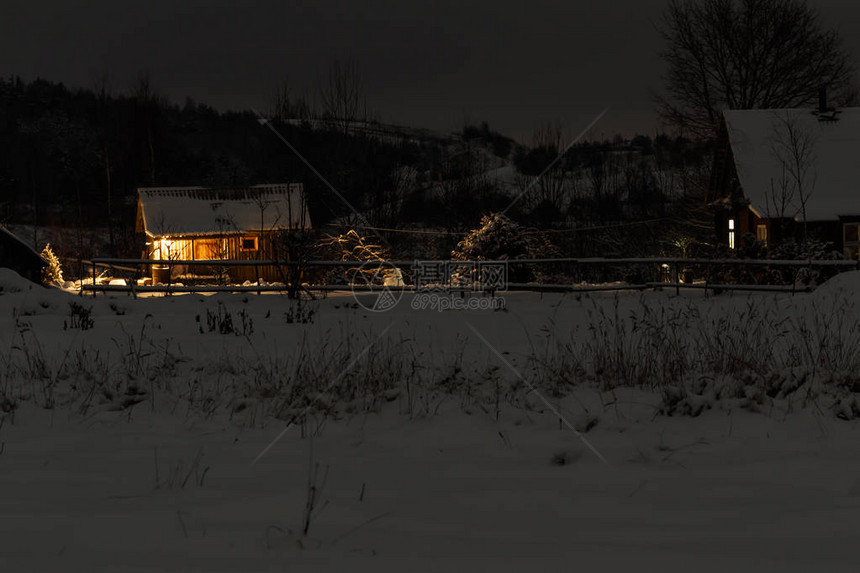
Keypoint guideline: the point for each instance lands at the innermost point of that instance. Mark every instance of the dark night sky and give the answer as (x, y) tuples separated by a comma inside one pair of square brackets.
[(433, 64)]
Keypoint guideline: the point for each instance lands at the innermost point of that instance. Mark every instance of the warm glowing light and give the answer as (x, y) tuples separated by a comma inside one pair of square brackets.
[(731, 233), (163, 248), (761, 234)]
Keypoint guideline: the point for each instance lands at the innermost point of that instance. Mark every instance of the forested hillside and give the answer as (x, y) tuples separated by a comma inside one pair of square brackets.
[(73, 158)]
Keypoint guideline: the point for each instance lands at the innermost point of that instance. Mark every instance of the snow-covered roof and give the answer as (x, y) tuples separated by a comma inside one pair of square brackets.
[(761, 144), (22, 244), (172, 211)]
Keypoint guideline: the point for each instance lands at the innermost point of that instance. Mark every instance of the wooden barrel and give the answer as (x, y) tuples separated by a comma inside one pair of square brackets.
[(160, 274)]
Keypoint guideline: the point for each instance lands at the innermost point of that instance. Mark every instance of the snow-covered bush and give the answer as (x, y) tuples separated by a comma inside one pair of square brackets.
[(750, 248), (53, 273), (811, 249), (496, 238), (499, 239), (351, 246)]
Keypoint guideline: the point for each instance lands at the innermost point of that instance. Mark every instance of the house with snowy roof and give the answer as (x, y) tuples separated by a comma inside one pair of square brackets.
[(788, 174), (203, 224)]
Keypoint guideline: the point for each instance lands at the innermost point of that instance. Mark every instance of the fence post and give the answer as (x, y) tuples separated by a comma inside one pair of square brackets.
[(677, 280)]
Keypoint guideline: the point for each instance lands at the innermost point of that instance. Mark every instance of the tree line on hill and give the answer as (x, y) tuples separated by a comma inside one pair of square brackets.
[(74, 158)]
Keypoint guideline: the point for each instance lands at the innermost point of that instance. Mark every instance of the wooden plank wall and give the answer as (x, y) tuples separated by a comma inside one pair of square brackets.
[(227, 248)]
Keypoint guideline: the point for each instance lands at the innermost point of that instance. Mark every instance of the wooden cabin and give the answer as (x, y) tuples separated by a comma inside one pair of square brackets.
[(17, 255), (202, 224), (788, 174)]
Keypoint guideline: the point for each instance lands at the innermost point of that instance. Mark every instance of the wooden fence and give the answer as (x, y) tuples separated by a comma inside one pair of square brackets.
[(579, 275)]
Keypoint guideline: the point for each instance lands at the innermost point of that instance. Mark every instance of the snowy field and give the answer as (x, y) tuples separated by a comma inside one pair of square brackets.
[(603, 432)]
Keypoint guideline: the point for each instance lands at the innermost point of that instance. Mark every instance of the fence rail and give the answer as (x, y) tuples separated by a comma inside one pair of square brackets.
[(408, 263), (672, 272)]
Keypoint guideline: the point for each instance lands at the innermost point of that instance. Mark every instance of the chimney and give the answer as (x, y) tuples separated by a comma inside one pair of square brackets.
[(822, 100)]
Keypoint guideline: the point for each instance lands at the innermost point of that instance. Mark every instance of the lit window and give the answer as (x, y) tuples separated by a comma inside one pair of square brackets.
[(761, 234), (731, 233), (249, 244)]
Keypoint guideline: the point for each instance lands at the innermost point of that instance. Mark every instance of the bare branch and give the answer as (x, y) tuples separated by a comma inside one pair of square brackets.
[(746, 54)]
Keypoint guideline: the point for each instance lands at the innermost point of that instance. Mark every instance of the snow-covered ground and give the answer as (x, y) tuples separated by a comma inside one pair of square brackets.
[(157, 434)]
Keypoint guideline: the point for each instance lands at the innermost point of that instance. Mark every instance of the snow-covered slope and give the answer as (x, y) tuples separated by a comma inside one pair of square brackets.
[(136, 436)]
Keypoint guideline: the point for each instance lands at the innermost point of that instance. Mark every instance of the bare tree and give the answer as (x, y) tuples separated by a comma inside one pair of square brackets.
[(794, 148), (342, 95), (103, 87), (548, 140), (603, 175), (286, 106), (780, 197), (386, 204), (148, 101), (746, 54), (463, 186)]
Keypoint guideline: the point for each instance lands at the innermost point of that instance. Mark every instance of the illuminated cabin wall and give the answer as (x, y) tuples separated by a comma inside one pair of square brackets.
[(245, 247), (171, 249)]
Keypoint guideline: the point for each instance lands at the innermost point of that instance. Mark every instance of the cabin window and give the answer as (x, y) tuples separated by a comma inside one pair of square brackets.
[(851, 242), (761, 234), (249, 244), (731, 233)]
